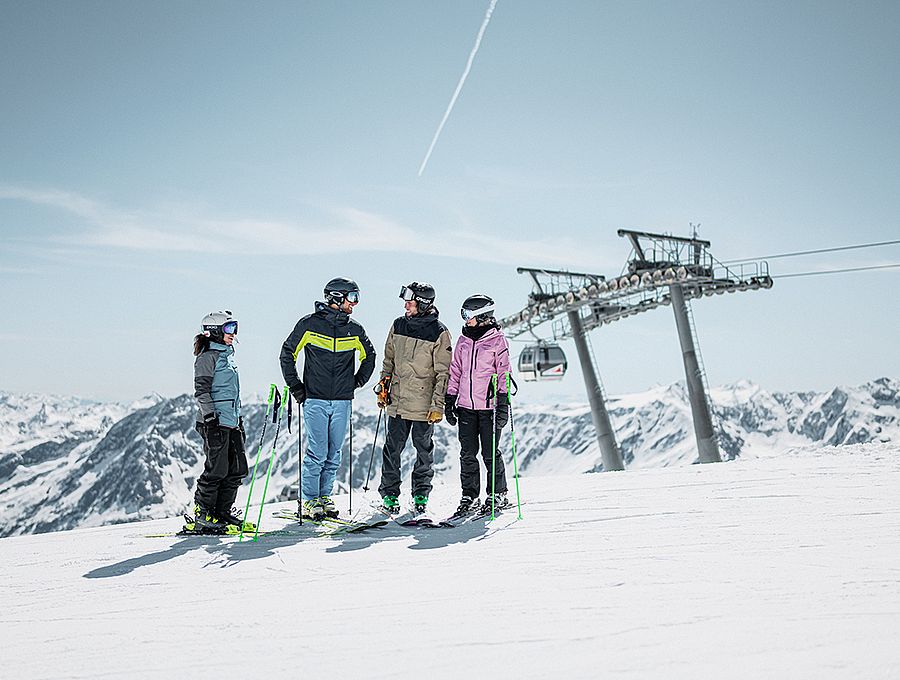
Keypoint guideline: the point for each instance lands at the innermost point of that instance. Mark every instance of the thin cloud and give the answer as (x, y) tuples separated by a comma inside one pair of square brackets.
[(18, 270), (348, 230)]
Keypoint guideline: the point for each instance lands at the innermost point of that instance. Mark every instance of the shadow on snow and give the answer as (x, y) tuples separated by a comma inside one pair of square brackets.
[(230, 553)]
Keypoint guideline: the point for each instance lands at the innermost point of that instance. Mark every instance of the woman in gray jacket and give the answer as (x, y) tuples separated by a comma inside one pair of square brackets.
[(219, 423)]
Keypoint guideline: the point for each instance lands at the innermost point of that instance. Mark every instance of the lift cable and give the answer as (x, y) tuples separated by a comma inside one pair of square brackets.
[(837, 271), (814, 252)]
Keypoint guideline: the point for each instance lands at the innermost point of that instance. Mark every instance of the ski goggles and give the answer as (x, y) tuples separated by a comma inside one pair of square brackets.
[(229, 328), (352, 297), (472, 313), (407, 294)]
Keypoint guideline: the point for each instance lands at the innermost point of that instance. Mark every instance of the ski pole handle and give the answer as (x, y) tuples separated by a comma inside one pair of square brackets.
[(284, 398)]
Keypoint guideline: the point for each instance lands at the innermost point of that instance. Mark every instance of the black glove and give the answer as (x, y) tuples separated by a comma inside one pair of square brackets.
[(501, 413), (211, 419), (241, 428), (450, 409), (299, 394)]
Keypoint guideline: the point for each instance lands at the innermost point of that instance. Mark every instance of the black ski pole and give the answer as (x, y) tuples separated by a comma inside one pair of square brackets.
[(372, 455), (350, 466)]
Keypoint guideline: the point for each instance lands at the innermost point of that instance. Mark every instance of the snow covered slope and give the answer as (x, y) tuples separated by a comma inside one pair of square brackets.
[(773, 567), (67, 463)]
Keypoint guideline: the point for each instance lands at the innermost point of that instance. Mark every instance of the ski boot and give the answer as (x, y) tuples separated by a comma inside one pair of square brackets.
[(206, 522), (419, 502), (494, 503), (311, 509), (390, 505), (467, 504), (328, 506), (233, 519)]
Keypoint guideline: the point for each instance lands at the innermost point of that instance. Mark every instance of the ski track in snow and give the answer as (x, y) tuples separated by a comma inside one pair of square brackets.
[(780, 567)]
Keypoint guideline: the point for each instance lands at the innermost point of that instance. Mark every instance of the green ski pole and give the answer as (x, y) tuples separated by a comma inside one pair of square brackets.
[(512, 433), (272, 389), (278, 418), (494, 446)]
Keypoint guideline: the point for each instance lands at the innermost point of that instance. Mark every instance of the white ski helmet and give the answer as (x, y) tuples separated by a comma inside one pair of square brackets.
[(216, 324)]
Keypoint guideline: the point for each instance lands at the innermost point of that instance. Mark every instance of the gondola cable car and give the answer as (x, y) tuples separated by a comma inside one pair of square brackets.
[(542, 361)]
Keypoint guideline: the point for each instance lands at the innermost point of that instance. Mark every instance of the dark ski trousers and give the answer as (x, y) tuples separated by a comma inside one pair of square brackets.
[(398, 430), (226, 466), (475, 427)]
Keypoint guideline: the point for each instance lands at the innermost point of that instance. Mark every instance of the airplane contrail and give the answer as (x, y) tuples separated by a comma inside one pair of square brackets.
[(462, 80)]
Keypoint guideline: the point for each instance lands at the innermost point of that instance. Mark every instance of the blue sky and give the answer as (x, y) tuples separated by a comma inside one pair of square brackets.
[(162, 160)]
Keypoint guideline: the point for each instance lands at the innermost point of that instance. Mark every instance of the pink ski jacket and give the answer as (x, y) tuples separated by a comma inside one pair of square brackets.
[(473, 364)]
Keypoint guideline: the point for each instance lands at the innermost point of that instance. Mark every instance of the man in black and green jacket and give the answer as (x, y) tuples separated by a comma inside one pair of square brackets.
[(329, 340)]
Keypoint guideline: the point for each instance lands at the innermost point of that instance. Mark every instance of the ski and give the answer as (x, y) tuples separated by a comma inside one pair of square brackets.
[(181, 533), (481, 512), (427, 523), (336, 524)]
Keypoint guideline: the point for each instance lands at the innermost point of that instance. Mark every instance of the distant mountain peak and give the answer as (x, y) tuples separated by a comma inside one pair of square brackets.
[(68, 462)]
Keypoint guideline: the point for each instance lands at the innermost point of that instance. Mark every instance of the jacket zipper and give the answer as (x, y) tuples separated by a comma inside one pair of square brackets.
[(472, 375)]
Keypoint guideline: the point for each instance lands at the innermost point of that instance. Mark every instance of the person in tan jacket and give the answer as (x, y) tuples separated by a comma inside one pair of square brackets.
[(414, 377)]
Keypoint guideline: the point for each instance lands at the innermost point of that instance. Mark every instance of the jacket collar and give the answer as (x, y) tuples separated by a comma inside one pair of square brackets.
[(477, 333), (335, 316)]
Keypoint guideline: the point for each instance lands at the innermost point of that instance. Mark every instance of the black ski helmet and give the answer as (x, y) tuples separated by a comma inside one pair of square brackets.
[(422, 293), (340, 289), (479, 307), (213, 325)]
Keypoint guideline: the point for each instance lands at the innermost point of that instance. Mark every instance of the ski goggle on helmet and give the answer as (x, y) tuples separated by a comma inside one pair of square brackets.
[(341, 289), (217, 324), (422, 293), (477, 307)]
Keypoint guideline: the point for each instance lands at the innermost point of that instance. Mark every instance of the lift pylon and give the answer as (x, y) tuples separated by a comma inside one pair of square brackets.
[(663, 270)]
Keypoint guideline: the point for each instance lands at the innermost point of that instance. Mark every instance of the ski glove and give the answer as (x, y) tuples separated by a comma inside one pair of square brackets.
[(242, 430), (300, 394), (211, 418), (502, 410), (383, 391), (434, 416), (450, 409)]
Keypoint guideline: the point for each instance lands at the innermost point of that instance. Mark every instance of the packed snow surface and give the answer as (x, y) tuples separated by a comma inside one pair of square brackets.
[(782, 566)]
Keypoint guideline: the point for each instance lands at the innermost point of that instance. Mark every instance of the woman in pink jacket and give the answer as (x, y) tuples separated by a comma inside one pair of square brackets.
[(481, 352)]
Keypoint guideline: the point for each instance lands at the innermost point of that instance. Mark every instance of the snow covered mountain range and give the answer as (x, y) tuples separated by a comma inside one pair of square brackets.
[(67, 462)]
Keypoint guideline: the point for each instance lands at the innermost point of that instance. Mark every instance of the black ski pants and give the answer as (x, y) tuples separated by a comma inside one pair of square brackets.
[(226, 466), (476, 428), (398, 431)]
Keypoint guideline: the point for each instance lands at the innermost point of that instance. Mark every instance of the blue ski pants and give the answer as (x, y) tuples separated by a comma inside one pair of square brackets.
[(326, 423)]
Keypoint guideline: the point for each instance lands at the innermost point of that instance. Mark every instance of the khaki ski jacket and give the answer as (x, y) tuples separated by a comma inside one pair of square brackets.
[(417, 358)]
